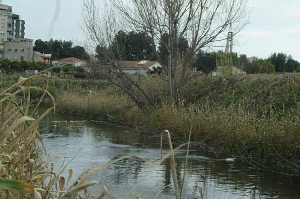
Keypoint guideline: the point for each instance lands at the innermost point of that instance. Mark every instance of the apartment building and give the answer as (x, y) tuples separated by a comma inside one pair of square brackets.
[(11, 26), (18, 50), (13, 44), (5, 22)]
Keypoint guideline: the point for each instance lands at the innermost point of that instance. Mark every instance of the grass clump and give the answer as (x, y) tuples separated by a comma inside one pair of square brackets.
[(95, 105)]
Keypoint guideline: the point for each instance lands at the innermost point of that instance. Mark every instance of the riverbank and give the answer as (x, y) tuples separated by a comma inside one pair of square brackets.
[(255, 119)]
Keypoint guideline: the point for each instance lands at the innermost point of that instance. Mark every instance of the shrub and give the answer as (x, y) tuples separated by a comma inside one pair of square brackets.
[(260, 66), (16, 66), (67, 68)]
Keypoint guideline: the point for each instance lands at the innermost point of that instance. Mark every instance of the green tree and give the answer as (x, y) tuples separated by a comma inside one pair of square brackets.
[(205, 62), (140, 46), (79, 52), (60, 49), (133, 46), (183, 46), (279, 61), (102, 54), (55, 47), (265, 66), (243, 61), (66, 49), (119, 45), (260, 66), (291, 65), (41, 46), (6, 66), (163, 50)]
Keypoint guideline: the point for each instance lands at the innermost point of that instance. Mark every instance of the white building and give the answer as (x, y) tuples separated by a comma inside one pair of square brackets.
[(13, 45), (18, 50), (11, 26), (139, 67), (71, 61), (42, 58), (5, 22)]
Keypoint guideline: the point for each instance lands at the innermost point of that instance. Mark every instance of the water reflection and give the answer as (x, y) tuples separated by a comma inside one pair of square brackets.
[(92, 145)]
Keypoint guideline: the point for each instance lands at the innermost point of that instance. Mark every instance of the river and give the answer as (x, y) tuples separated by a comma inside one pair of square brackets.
[(83, 145)]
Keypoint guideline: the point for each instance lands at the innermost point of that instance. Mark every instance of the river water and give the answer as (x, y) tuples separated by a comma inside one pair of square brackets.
[(84, 145)]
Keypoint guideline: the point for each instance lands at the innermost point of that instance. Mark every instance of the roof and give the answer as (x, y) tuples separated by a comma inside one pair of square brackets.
[(47, 55), (134, 65), (127, 64), (69, 60), (5, 7), (43, 55)]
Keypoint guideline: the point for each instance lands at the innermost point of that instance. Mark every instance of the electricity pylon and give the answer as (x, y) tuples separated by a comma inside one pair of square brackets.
[(229, 47), (229, 43)]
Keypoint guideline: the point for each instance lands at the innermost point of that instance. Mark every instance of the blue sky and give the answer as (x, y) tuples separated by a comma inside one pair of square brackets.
[(274, 25)]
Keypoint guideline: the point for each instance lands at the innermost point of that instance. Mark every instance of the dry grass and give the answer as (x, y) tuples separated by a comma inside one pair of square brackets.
[(23, 174), (254, 137), (93, 105), (262, 139), (254, 117)]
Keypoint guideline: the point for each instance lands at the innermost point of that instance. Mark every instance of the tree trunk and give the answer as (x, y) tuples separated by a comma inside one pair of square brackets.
[(173, 54)]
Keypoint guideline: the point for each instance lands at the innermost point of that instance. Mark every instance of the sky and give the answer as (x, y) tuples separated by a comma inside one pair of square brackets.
[(274, 25)]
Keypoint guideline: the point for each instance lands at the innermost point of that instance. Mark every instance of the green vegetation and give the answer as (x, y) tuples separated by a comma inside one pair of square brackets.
[(276, 63), (284, 63), (60, 49), (260, 66), (183, 46), (8, 66), (129, 46), (255, 118)]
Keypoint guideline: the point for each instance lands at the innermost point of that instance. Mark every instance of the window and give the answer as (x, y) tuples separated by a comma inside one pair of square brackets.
[(23, 50), (16, 50)]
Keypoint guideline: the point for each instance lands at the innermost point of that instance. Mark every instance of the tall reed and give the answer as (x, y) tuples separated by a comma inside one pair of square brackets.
[(23, 173)]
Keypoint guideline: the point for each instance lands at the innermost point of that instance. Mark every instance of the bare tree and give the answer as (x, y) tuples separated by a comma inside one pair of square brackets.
[(201, 22), (101, 30)]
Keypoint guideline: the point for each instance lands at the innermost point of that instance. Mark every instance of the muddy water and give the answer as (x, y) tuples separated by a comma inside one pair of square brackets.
[(82, 145)]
